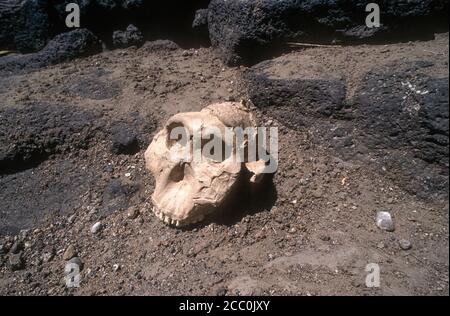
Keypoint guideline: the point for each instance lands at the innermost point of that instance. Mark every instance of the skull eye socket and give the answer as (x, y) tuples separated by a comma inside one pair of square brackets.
[(177, 133)]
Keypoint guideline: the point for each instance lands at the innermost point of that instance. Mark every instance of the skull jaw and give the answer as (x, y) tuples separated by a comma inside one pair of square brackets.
[(183, 204), (162, 215)]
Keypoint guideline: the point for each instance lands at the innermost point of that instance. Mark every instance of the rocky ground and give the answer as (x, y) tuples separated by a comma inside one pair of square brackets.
[(72, 138)]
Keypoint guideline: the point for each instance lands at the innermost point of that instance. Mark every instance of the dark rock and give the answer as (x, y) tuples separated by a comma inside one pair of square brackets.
[(130, 37), (200, 19), (200, 23), (397, 121), (9, 14), (403, 118), (64, 47), (116, 196), (160, 45), (71, 45), (34, 27), (294, 87), (16, 262), (240, 30), (16, 248), (157, 19), (28, 25), (405, 109), (31, 133), (221, 291), (124, 140)]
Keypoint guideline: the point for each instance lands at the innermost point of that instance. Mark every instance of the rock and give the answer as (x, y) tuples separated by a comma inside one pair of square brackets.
[(77, 261), (124, 141), (70, 45), (15, 261), (132, 212), (200, 23), (294, 86), (241, 31), (396, 121), (69, 253), (116, 196), (9, 14), (160, 45), (405, 244), (384, 221), (16, 247), (116, 267), (63, 47), (33, 27), (96, 228), (130, 37), (401, 115), (37, 131), (200, 19), (221, 291), (28, 25)]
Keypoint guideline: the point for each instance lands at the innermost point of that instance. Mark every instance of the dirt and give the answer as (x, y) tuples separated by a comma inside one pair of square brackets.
[(312, 233)]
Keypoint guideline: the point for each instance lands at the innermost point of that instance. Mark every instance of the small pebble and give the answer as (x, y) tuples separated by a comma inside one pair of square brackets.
[(15, 261), (221, 291), (405, 244), (70, 253), (384, 221), (132, 213), (16, 247), (95, 229)]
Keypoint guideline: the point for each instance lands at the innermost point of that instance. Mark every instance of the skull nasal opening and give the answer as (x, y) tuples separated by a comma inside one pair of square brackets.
[(177, 173)]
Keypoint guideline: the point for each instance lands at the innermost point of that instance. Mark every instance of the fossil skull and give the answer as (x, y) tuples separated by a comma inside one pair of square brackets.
[(188, 189)]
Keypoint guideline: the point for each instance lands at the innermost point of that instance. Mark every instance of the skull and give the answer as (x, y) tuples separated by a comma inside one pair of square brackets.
[(188, 189)]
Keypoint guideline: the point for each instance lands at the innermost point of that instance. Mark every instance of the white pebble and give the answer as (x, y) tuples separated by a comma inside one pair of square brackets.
[(96, 228), (384, 221)]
